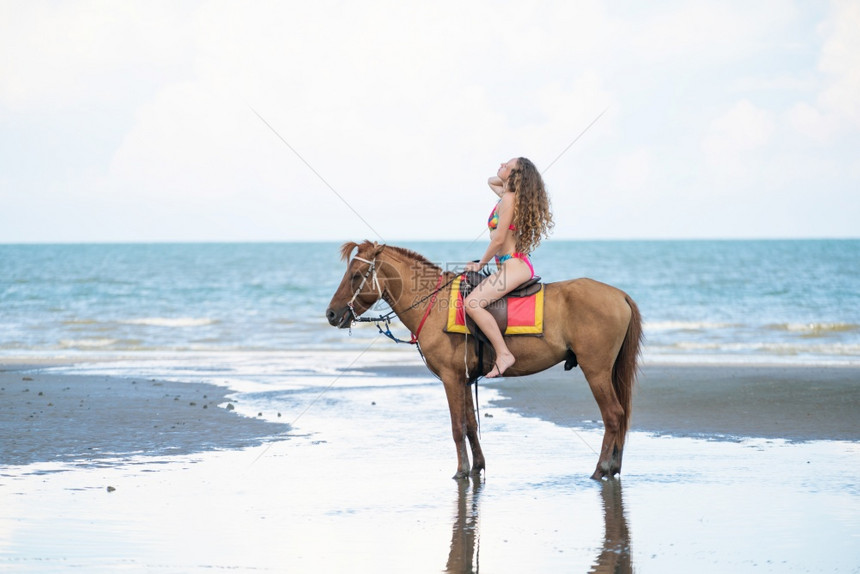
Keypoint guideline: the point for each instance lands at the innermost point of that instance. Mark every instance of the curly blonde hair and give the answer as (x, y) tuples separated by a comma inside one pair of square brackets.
[(532, 216)]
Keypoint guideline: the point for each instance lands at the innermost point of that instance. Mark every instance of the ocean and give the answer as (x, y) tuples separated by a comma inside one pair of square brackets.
[(361, 461), (758, 301)]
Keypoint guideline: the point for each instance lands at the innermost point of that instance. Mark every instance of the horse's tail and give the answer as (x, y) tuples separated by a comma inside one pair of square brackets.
[(625, 369)]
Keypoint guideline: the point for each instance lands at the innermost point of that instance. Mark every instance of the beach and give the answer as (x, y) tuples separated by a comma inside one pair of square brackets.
[(54, 418), (766, 401), (48, 417), (352, 473)]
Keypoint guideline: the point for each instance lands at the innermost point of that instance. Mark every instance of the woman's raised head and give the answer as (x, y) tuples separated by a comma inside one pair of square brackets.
[(506, 167)]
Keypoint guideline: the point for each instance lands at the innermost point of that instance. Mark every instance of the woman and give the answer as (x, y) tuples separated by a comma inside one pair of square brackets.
[(516, 225)]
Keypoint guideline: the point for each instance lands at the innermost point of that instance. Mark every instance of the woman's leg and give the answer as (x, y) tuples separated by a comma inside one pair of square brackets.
[(513, 273)]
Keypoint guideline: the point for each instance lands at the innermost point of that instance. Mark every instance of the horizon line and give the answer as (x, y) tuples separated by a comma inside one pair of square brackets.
[(405, 240)]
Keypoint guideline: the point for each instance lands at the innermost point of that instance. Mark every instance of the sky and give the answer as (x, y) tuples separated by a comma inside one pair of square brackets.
[(382, 120)]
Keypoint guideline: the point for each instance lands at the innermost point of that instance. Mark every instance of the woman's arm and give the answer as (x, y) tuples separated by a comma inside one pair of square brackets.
[(496, 243), (500, 235), (497, 185)]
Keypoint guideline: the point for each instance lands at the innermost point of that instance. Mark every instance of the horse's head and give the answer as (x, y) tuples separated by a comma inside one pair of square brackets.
[(362, 285)]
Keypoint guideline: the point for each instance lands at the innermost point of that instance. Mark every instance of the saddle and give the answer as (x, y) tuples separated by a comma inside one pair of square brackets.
[(520, 312), (474, 278)]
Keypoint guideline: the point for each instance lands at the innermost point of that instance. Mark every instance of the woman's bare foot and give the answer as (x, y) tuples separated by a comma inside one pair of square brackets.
[(503, 363)]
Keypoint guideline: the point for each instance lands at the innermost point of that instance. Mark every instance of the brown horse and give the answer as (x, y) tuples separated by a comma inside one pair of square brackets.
[(597, 324)]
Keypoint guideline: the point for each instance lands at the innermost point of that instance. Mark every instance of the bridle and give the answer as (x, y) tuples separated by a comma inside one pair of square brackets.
[(386, 318), (371, 274)]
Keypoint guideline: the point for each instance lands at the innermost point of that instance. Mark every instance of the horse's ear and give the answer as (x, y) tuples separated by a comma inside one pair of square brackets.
[(377, 248), (346, 250)]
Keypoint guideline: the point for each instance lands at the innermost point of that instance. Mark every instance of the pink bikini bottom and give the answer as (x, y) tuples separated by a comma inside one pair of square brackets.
[(523, 256)]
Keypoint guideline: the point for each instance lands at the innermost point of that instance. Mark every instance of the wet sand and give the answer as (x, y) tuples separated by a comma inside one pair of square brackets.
[(49, 417), (361, 480), (789, 402)]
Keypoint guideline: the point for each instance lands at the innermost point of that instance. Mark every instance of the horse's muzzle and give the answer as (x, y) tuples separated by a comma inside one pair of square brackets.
[(340, 319)]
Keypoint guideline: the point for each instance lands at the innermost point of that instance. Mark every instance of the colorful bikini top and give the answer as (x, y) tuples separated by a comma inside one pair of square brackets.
[(493, 221)]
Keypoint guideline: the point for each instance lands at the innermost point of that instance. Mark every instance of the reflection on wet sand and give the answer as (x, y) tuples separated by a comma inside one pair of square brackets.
[(615, 557), (465, 538)]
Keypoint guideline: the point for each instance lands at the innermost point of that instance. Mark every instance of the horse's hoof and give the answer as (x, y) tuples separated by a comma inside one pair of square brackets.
[(600, 473), (461, 475)]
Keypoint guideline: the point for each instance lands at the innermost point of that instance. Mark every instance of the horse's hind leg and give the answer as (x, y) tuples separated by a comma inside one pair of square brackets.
[(478, 463), (609, 463)]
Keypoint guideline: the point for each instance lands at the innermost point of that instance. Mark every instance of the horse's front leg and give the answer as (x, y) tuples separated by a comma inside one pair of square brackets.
[(454, 390), (478, 463)]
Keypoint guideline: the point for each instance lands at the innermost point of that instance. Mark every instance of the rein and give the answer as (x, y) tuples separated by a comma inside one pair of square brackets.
[(386, 318)]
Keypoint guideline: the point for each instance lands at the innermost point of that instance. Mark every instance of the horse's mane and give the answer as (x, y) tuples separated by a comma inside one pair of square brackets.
[(347, 248), (409, 254)]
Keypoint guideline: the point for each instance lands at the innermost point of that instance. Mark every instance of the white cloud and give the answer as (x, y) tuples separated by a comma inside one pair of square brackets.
[(633, 170), (390, 114), (811, 123), (733, 136), (191, 142), (60, 55), (836, 108), (840, 61), (145, 108), (702, 33)]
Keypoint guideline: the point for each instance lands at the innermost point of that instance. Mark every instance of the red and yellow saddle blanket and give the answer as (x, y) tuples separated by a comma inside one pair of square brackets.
[(515, 315)]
